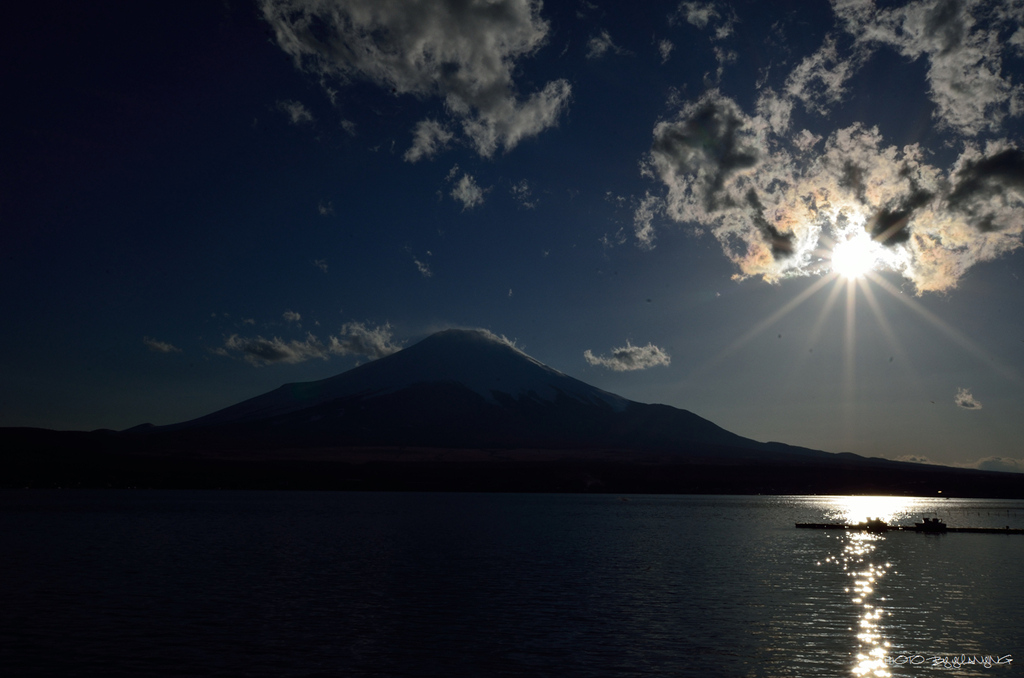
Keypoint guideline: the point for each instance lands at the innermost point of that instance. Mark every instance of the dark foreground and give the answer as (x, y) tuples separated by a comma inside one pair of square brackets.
[(48, 459)]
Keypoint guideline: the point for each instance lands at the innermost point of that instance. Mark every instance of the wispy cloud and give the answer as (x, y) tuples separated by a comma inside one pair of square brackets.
[(703, 15), (463, 52), (629, 357), (914, 459), (291, 316), (961, 42), (643, 220), (321, 264), (160, 346), (1005, 464), (964, 48), (665, 48), (423, 267), (468, 192), (354, 339), (966, 400), (325, 208), (296, 112), (819, 80), (601, 44), (1002, 464), (429, 137), (261, 351), (511, 343), (523, 194)]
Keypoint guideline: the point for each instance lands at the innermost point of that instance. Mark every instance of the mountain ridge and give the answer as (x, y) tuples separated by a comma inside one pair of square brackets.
[(462, 410), (459, 388), (478, 359)]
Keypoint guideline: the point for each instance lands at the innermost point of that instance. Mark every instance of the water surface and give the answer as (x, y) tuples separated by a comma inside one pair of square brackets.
[(180, 583)]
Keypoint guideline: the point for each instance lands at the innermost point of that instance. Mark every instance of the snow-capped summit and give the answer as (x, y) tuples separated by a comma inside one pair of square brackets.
[(478, 360)]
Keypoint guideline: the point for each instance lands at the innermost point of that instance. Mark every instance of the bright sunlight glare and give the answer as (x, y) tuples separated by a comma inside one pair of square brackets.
[(855, 257)]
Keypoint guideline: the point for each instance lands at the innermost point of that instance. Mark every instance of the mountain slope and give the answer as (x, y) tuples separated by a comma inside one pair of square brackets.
[(461, 410), (479, 361), (462, 389)]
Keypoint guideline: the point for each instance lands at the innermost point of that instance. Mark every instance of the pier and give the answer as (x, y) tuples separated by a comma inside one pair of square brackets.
[(929, 526)]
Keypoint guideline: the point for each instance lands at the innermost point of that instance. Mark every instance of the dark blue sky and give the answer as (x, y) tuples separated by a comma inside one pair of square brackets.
[(202, 201)]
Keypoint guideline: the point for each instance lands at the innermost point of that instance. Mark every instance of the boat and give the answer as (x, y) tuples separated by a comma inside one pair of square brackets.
[(932, 525), (876, 525)]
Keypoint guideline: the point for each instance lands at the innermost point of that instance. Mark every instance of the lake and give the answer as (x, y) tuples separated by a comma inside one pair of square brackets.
[(237, 583)]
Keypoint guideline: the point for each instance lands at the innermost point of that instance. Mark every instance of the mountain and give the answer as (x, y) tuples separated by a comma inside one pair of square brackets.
[(476, 361), (462, 389), (461, 410)]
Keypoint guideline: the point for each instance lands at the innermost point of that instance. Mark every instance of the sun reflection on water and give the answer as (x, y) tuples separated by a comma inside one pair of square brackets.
[(854, 510), (857, 563)]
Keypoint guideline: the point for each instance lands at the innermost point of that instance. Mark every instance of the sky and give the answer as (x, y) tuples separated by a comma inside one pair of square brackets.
[(801, 221)]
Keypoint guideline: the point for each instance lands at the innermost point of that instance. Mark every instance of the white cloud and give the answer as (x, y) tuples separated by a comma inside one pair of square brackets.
[(609, 241), (1005, 464), (915, 459), (704, 14), (805, 140), (462, 52), (665, 48), (325, 208), (260, 351), (643, 221), (468, 192), (599, 45), (965, 400), (429, 137), (964, 48), (630, 357), (524, 194), (296, 112), (354, 339), (723, 57), (698, 14), (1017, 41), (819, 81), (964, 44), (357, 339), (321, 264), (423, 268), (160, 346), (977, 218), (775, 109), (510, 122), (776, 204), (291, 316), (707, 157), (511, 343)]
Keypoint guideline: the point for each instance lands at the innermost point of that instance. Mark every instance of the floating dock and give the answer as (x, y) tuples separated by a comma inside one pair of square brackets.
[(925, 528)]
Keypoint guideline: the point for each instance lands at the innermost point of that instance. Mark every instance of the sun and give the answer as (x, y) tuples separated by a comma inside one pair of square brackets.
[(856, 257)]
